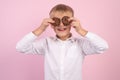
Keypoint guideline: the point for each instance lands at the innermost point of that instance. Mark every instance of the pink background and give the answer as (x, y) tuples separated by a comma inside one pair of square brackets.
[(18, 17)]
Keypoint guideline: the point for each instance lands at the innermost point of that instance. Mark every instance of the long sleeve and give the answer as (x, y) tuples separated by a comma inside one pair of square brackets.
[(93, 44), (28, 45)]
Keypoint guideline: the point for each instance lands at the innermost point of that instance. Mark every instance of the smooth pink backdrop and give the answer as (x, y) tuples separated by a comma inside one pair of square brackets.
[(19, 17)]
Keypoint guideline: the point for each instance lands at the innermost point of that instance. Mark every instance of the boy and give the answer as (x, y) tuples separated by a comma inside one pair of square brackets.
[(63, 54)]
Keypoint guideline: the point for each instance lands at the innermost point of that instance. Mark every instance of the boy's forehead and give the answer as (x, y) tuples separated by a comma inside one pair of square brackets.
[(60, 14)]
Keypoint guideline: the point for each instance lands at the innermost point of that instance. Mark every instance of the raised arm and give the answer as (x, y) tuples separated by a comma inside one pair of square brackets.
[(28, 44)]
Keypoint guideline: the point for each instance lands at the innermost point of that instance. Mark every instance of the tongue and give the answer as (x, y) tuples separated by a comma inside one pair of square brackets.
[(61, 29)]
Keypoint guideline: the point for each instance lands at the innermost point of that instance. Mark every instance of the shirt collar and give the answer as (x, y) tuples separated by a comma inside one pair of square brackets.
[(71, 39)]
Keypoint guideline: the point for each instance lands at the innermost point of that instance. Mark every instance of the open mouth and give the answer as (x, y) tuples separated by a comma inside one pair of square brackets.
[(62, 29)]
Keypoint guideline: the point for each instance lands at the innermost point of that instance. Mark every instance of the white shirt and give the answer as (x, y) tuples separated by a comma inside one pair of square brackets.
[(63, 59)]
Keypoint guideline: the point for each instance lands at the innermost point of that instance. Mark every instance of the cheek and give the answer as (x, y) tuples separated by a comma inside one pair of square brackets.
[(69, 27), (55, 29)]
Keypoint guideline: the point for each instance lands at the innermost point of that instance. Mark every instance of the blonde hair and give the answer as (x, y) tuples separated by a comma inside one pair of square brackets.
[(62, 8)]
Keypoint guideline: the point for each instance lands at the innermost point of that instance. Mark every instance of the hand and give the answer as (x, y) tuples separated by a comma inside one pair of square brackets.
[(45, 23), (76, 24)]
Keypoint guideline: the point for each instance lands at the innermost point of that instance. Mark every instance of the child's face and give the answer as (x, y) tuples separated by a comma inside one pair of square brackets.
[(61, 29)]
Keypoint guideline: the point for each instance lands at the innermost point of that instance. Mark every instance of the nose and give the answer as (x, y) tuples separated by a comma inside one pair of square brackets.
[(61, 24)]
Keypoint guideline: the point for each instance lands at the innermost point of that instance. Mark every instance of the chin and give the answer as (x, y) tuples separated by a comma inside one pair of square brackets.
[(62, 32)]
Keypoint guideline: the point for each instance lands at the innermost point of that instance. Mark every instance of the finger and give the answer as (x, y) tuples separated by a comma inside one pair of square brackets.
[(72, 24), (72, 18), (50, 20)]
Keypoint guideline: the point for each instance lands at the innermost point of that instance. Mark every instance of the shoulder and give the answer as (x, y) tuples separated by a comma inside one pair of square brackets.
[(49, 39), (78, 39)]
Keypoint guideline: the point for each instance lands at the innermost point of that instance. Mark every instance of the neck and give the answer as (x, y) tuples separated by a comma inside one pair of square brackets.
[(63, 38)]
